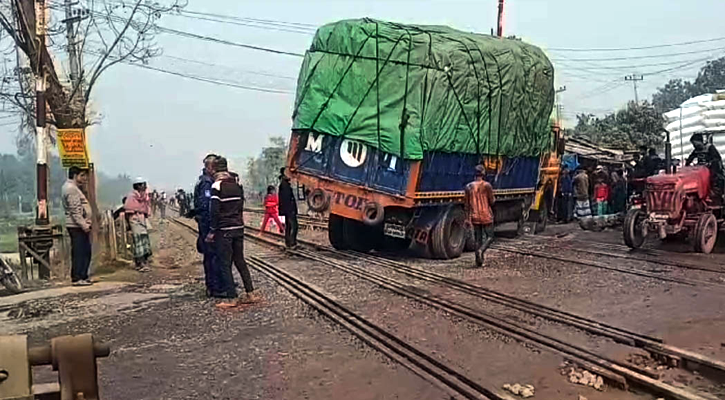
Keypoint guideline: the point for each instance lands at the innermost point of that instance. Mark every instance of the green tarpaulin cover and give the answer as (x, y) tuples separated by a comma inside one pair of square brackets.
[(407, 89)]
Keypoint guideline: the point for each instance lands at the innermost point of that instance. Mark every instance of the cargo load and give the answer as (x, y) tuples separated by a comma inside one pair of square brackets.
[(408, 90)]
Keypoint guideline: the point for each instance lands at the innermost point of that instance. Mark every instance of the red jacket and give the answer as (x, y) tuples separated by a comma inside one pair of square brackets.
[(271, 204)]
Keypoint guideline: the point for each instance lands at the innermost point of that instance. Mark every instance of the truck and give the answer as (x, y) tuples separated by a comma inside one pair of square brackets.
[(390, 121)]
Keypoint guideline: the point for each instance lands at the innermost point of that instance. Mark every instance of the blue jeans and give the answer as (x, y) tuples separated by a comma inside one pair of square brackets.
[(209, 255), (80, 243)]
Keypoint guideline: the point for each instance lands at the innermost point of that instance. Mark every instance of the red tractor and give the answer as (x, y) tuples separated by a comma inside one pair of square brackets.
[(677, 203)]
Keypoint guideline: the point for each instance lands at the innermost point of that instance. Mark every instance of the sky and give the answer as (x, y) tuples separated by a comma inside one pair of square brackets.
[(159, 126)]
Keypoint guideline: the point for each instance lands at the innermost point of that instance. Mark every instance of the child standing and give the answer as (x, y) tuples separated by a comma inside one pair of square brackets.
[(271, 209), (601, 197)]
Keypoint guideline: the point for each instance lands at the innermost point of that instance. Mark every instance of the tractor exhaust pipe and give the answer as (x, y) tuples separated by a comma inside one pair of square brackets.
[(668, 154)]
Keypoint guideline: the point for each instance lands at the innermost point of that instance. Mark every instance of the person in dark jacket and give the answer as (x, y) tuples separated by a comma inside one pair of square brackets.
[(707, 154), (227, 231), (288, 208), (202, 197), (566, 199)]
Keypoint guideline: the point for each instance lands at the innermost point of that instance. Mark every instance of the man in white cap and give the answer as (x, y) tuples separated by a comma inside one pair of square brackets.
[(138, 210)]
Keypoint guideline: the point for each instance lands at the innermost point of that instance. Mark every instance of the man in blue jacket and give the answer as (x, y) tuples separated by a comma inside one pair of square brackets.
[(202, 198)]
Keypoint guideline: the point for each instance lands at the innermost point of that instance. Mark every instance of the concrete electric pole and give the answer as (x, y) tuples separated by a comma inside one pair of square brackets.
[(499, 31), (634, 79), (41, 131), (558, 104)]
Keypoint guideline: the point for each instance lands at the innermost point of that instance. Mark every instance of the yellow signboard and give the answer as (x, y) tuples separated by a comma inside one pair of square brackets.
[(72, 148)]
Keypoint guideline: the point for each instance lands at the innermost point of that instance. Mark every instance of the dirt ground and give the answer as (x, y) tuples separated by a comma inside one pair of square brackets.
[(170, 342)]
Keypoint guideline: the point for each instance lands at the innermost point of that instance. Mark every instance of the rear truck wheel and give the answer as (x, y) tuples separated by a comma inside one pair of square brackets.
[(360, 237), (336, 233), (318, 200), (705, 233), (395, 244), (634, 234), (542, 216), (448, 237)]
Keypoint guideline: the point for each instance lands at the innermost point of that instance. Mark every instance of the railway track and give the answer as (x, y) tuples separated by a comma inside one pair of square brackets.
[(303, 220), (451, 381), (617, 373), (653, 256), (516, 248)]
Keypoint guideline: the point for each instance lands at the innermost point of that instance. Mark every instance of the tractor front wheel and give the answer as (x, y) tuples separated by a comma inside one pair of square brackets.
[(705, 233), (634, 231)]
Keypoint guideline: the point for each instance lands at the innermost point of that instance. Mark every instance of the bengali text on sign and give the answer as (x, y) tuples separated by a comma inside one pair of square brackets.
[(72, 148)]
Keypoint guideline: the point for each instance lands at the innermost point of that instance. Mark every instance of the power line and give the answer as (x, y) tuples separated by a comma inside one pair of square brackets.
[(227, 42), (250, 25), (647, 56), (212, 81), (217, 82), (637, 48), (229, 68)]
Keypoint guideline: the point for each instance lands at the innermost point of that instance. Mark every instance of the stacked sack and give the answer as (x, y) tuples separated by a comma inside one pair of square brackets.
[(705, 113)]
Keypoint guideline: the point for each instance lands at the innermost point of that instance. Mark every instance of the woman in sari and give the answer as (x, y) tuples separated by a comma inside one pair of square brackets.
[(138, 210)]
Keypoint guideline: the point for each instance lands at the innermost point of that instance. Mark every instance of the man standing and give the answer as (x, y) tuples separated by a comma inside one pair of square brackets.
[(202, 197), (581, 194), (288, 208), (565, 196), (477, 202), (227, 231), (162, 204), (78, 222)]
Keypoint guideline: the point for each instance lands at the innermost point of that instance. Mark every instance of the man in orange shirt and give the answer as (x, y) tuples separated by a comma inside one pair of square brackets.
[(478, 202)]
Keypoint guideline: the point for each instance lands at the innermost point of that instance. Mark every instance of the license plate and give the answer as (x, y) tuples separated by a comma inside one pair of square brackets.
[(393, 230)]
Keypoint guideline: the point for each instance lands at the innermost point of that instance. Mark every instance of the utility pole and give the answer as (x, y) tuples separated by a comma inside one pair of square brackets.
[(634, 79), (558, 104), (41, 131), (499, 31), (75, 73)]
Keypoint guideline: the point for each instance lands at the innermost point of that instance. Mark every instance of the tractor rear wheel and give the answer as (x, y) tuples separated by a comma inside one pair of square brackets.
[(705, 233), (634, 234)]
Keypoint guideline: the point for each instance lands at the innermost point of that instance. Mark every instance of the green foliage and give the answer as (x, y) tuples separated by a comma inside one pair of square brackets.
[(710, 79), (263, 171), (111, 190), (633, 126)]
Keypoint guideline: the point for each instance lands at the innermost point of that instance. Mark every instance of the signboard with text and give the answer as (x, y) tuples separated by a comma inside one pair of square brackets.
[(72, 148)]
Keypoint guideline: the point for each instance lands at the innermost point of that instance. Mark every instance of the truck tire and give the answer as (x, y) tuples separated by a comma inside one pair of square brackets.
[(705, 233), (542, 216), (336, 232), (448, 237), (632, 230), (360, 237)]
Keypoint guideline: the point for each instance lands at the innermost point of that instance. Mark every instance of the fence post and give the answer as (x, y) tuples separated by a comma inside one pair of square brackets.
[(112, 235), (124, 237)]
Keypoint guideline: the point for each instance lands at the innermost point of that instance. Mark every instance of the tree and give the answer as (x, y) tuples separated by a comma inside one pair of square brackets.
[(674, 93), (105, 34), (633, 126), (711, 77), (264, 170)]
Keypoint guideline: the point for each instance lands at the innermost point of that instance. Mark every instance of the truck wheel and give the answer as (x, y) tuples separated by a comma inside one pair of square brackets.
[(542, 216), (705, 233), (449, 235), (360, 237), (336, 232), (633, 230)]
